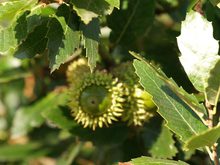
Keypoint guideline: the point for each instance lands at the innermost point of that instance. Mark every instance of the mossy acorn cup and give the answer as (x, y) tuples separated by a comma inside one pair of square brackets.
[(95, 98)]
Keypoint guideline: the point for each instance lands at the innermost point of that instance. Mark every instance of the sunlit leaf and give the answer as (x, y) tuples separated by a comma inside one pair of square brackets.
[(91, 41), (180, 117), (8, 41), (207, 138), (89, 9), (199, 54), (10, 9), (63, 39)]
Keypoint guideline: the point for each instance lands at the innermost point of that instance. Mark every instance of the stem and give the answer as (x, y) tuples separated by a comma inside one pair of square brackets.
[(73, 152), (214, 155)]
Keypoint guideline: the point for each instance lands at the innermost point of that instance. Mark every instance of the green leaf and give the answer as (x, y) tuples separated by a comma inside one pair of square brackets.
[(34, 44), (29, 117), (190, 100), (152, 161), (207, 138), (164, 147), (42, 29), (60, 116), (215, 2), (91, 41), (179, 116), (8, 41), (199, 53), (31, 30), (132, 21), (89, 9), (212, 86), (10, 9), (62, 39), (21, 152), (29, 20), (114, 3)]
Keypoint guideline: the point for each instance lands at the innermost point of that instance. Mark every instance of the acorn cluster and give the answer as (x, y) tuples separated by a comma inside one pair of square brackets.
[(100, 98)]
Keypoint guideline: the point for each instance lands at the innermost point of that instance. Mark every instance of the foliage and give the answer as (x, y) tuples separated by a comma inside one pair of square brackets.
[(109, 81)]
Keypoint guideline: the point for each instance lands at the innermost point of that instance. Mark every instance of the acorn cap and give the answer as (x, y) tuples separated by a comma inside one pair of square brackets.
[(96, 99), (139, 106), (76, 69)]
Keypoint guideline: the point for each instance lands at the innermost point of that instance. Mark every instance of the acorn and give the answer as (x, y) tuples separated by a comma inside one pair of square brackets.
[(139, 106), (95, 99)]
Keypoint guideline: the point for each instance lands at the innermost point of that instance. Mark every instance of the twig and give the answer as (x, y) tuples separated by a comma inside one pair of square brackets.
[(214, 155)]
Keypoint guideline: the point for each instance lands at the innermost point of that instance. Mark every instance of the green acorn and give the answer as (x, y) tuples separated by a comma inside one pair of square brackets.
[(95, 98), (139, 106)]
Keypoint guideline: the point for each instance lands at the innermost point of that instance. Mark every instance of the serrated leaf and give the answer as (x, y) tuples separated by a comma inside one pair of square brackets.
[(215, 2), (91, 41), (89, 9), (21, 152), (179, 116), (131, 22), (199, 52), (25, 33), (34, 44), (189, 99), (30, 20), (192, 102), (10, 9), (62, 39), (164, 146), (42, 29), (152, 161), (29, 117), (207, 138)]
